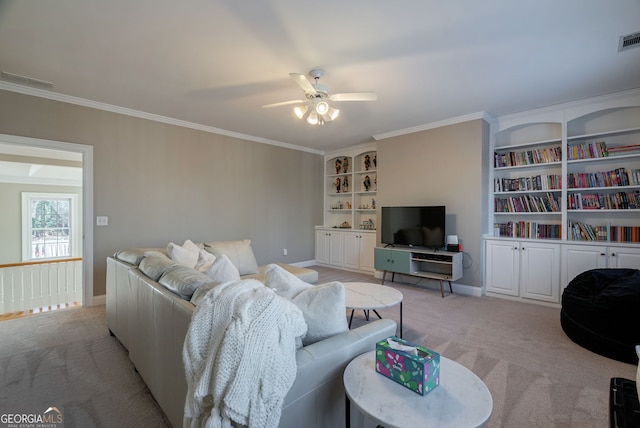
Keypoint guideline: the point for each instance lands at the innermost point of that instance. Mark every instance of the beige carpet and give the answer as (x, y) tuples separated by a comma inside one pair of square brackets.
[(536, 375)]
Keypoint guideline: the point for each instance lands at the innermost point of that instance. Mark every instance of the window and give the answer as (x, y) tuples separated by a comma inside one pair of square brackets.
[(49, 226)]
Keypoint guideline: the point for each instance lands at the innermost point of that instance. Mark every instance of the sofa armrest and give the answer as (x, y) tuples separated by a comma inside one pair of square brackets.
[(323, 361)]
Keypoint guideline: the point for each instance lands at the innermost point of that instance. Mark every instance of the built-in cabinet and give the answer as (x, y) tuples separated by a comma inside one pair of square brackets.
[(350, 215), (351, 250), (579, 258), (530, 270), (565, 196)]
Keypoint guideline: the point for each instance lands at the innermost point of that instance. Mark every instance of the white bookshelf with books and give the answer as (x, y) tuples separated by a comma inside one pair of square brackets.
[(568, 178)]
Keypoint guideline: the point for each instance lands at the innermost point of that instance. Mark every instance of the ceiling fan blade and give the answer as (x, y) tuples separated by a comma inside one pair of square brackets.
[(284, 103), (354, 96), (304, 83)]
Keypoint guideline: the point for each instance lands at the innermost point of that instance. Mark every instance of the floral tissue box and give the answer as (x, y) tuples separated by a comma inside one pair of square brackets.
[(412, 366)]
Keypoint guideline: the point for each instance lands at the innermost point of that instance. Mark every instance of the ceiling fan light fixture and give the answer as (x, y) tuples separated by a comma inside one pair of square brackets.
[(313, 118), (300, 111), (333, 113), (322, 107)]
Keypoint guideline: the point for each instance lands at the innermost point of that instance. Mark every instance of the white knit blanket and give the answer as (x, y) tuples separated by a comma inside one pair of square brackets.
[(240, 356)]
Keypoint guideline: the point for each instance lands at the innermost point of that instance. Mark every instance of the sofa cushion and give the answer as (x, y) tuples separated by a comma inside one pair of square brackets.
[(284, 283), (239, 252), (323, 306), (202, 291), (183, 281), (184, 255), (155, 266), (222, 270), (132, 256)]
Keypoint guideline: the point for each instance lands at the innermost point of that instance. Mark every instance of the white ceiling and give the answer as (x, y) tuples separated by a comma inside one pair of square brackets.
[(215, 62)]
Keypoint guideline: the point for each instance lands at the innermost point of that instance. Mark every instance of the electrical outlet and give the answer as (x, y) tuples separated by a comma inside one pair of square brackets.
[(284, 251), (102, 220)]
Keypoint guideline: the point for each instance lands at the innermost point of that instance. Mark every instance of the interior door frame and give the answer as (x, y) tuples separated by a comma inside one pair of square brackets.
[(87, 201)]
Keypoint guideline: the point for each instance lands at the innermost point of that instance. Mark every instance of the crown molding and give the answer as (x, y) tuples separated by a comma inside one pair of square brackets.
[(453, 121), (41, 93)]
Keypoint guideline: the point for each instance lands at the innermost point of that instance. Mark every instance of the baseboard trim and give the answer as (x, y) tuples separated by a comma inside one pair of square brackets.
[(99, 300)]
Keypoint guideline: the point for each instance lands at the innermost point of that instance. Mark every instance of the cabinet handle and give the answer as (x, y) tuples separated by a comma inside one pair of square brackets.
[(523, 248), (613, 254), (515, 248), (602, 254)]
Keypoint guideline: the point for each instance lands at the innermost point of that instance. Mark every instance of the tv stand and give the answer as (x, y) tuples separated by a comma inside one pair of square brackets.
[(424, 263)]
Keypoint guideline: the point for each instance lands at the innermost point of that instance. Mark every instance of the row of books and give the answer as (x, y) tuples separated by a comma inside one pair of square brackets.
[(528, 204), (538, 182), (528, 229), (624, 150), (579, 231), (606, 201), (527, 157), (617, 177), (587, 150), (585, 232)]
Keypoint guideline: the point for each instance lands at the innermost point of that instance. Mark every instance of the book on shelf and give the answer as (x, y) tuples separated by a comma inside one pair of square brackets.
[(595, 149), (617, 177), (527, 157), (608, 201), (624, 150), (527, 204), (520, 184), (527, 230)]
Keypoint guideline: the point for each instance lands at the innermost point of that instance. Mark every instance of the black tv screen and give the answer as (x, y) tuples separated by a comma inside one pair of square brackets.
[(414, 226)]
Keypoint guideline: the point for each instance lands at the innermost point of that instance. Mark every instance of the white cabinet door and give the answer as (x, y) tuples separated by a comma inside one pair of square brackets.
[(336, 245), (367, 244), (581, 258), (624, 258), (503, 267), (352, 250), (540, 271), (322, 246)]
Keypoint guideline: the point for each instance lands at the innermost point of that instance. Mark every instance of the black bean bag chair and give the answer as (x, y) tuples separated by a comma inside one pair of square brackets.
[(601, 312)]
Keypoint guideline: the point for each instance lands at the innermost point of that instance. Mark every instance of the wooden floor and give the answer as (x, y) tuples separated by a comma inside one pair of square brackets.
[(15, 315)]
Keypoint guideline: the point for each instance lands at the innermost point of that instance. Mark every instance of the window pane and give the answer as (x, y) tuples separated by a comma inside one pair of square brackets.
[(50, 228)]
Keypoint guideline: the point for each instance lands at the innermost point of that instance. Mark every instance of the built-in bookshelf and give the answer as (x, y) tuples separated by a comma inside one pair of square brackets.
[(351, 184)]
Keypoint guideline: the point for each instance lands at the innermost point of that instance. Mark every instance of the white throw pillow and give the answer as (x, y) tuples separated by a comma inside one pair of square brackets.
[(323, 307), (239, 252), (222, 270), (205, 261), (283, 282), (185, 256)]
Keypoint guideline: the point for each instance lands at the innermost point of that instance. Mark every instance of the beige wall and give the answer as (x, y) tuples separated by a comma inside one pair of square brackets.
[(159, 183), (442, 166)]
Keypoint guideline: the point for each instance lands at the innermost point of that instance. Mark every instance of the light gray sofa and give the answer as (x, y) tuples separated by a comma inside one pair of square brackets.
[(151, 322)]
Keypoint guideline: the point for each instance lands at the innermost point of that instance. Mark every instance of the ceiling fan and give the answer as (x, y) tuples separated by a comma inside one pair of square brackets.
[(315, 107)]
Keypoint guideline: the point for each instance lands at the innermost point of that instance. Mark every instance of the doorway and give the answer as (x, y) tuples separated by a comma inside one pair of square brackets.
[(47, 154)]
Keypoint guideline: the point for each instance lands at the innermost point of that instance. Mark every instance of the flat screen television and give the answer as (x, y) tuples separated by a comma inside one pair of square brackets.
[(414, 226)]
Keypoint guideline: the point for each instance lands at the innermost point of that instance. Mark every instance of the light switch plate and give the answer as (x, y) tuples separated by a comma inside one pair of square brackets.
[(102, 220)]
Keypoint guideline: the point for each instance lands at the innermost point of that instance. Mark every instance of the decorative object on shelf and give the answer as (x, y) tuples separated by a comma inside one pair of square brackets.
[(343, 225), (373, 203), (337, 184), (345, 165), (345, 185), (337, 206), (367, 162), (367, 183), (338, 166), (367, 225), (349, 205)]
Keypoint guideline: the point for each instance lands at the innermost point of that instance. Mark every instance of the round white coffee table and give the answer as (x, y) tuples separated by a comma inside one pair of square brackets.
[(367, 296), (461, 399)]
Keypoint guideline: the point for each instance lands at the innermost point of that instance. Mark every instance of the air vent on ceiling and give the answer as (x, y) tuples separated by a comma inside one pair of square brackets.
[(24, 80), (629, 41)]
